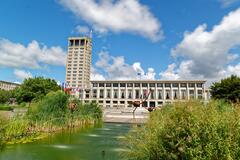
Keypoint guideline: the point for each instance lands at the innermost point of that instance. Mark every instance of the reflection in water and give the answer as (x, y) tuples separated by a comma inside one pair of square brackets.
[(79, 144)]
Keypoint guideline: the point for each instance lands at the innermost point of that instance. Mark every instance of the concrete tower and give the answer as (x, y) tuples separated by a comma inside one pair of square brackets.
[(79, 59)]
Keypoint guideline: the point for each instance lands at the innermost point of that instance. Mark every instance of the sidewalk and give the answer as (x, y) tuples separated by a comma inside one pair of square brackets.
[(125, 115)]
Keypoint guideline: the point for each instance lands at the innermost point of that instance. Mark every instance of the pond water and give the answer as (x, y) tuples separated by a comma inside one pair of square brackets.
[(101, 142)]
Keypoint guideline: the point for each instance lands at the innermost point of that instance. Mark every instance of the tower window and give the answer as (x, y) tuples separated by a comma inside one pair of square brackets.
[(76, 42), (71, 43)]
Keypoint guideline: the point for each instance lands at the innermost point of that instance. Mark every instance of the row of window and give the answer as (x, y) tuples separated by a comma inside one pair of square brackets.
[(199, 85), (77, 42), (137, 95)]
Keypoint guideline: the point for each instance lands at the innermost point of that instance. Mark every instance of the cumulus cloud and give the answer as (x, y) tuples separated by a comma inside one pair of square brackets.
[(207, 54), (21, 74), (33, 55), (227, 3), (115, 68), (95, 75), (117, 16), (82, 30)]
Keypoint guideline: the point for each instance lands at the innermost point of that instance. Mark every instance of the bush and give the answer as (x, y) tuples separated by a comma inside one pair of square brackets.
[(5, 108), (187, 130), (34, 89), (53, 105), (2, 133), (227, 89)]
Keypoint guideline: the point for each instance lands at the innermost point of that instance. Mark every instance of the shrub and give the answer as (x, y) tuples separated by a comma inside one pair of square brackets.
[(187, 130), (2, 133), (6, 108), (227, 89), (53, 105)]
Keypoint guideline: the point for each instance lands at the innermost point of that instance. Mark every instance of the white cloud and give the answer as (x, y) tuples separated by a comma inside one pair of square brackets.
[(117, 16), (33, 55), (95, 75), (227, 3), (115, 68), (82, 30), (21, 74), (206, 54)]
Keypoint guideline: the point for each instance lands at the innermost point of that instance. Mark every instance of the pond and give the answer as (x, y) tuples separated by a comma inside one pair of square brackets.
[(101, 142)]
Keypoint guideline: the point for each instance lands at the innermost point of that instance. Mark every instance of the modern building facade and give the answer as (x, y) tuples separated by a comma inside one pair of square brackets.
[(8, 85), (79, 61), (122, 93)]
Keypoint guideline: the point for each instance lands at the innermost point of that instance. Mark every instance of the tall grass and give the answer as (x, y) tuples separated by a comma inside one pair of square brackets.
[(189, 130), (48, 115)]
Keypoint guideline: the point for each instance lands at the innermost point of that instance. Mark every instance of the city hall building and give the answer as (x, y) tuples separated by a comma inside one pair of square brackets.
[(121, 93)]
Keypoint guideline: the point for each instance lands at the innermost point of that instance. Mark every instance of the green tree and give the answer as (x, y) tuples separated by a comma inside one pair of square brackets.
[(227, 89), (6, 95), (35, 89)]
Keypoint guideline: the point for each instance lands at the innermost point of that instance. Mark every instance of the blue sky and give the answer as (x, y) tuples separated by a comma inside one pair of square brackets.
[(168, 39)]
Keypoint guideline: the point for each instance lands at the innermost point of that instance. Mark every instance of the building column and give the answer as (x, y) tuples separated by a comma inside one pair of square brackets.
[(195, 91)]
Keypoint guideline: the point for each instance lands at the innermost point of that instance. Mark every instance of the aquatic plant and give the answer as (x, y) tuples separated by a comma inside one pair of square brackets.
[(187, 130)]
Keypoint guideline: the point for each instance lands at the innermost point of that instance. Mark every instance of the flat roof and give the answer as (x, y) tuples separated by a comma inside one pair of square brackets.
[(146, 81), (9, 83)]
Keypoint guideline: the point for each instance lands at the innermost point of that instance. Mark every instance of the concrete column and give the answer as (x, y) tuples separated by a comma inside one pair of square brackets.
[(179, 92), (187, 92), (111, 94), (163, 93), (195, 91), (126, 95)]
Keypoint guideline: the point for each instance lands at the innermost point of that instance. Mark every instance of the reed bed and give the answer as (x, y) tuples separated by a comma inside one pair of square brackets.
[(187, 130)]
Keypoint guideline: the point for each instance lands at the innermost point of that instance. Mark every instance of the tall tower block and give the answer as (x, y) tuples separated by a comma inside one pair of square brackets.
[(79, 60)]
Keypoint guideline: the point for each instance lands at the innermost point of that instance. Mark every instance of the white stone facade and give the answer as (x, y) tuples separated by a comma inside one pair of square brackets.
[(8, 85), (122, 93), (79, 60)]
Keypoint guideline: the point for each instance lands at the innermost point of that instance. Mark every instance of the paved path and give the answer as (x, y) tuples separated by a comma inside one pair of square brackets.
[(125, 115)]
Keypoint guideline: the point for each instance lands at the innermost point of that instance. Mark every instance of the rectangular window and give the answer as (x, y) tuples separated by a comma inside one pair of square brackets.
[(94, 93), (200, 95), (108, 93), (167, 85), (136, 84), (76, 42), (137, 94), (101, 84), (122, 84), (101, 93), (159, 94), (129, 85), (159, 85), (122, 94), (108, 85), (152, 94), (145, 93), (95, 84), (191, 85), (175, 94), (168, 95), (144, 85), (115, 93), (183, 84), (152, 84), (115, 84), (191, 94), (183, 94), (129, 94), (199, 85), (175, 84)]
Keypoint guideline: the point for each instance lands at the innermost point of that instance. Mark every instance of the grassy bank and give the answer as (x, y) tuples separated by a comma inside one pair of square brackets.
[(51, 114), (189, 130)]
